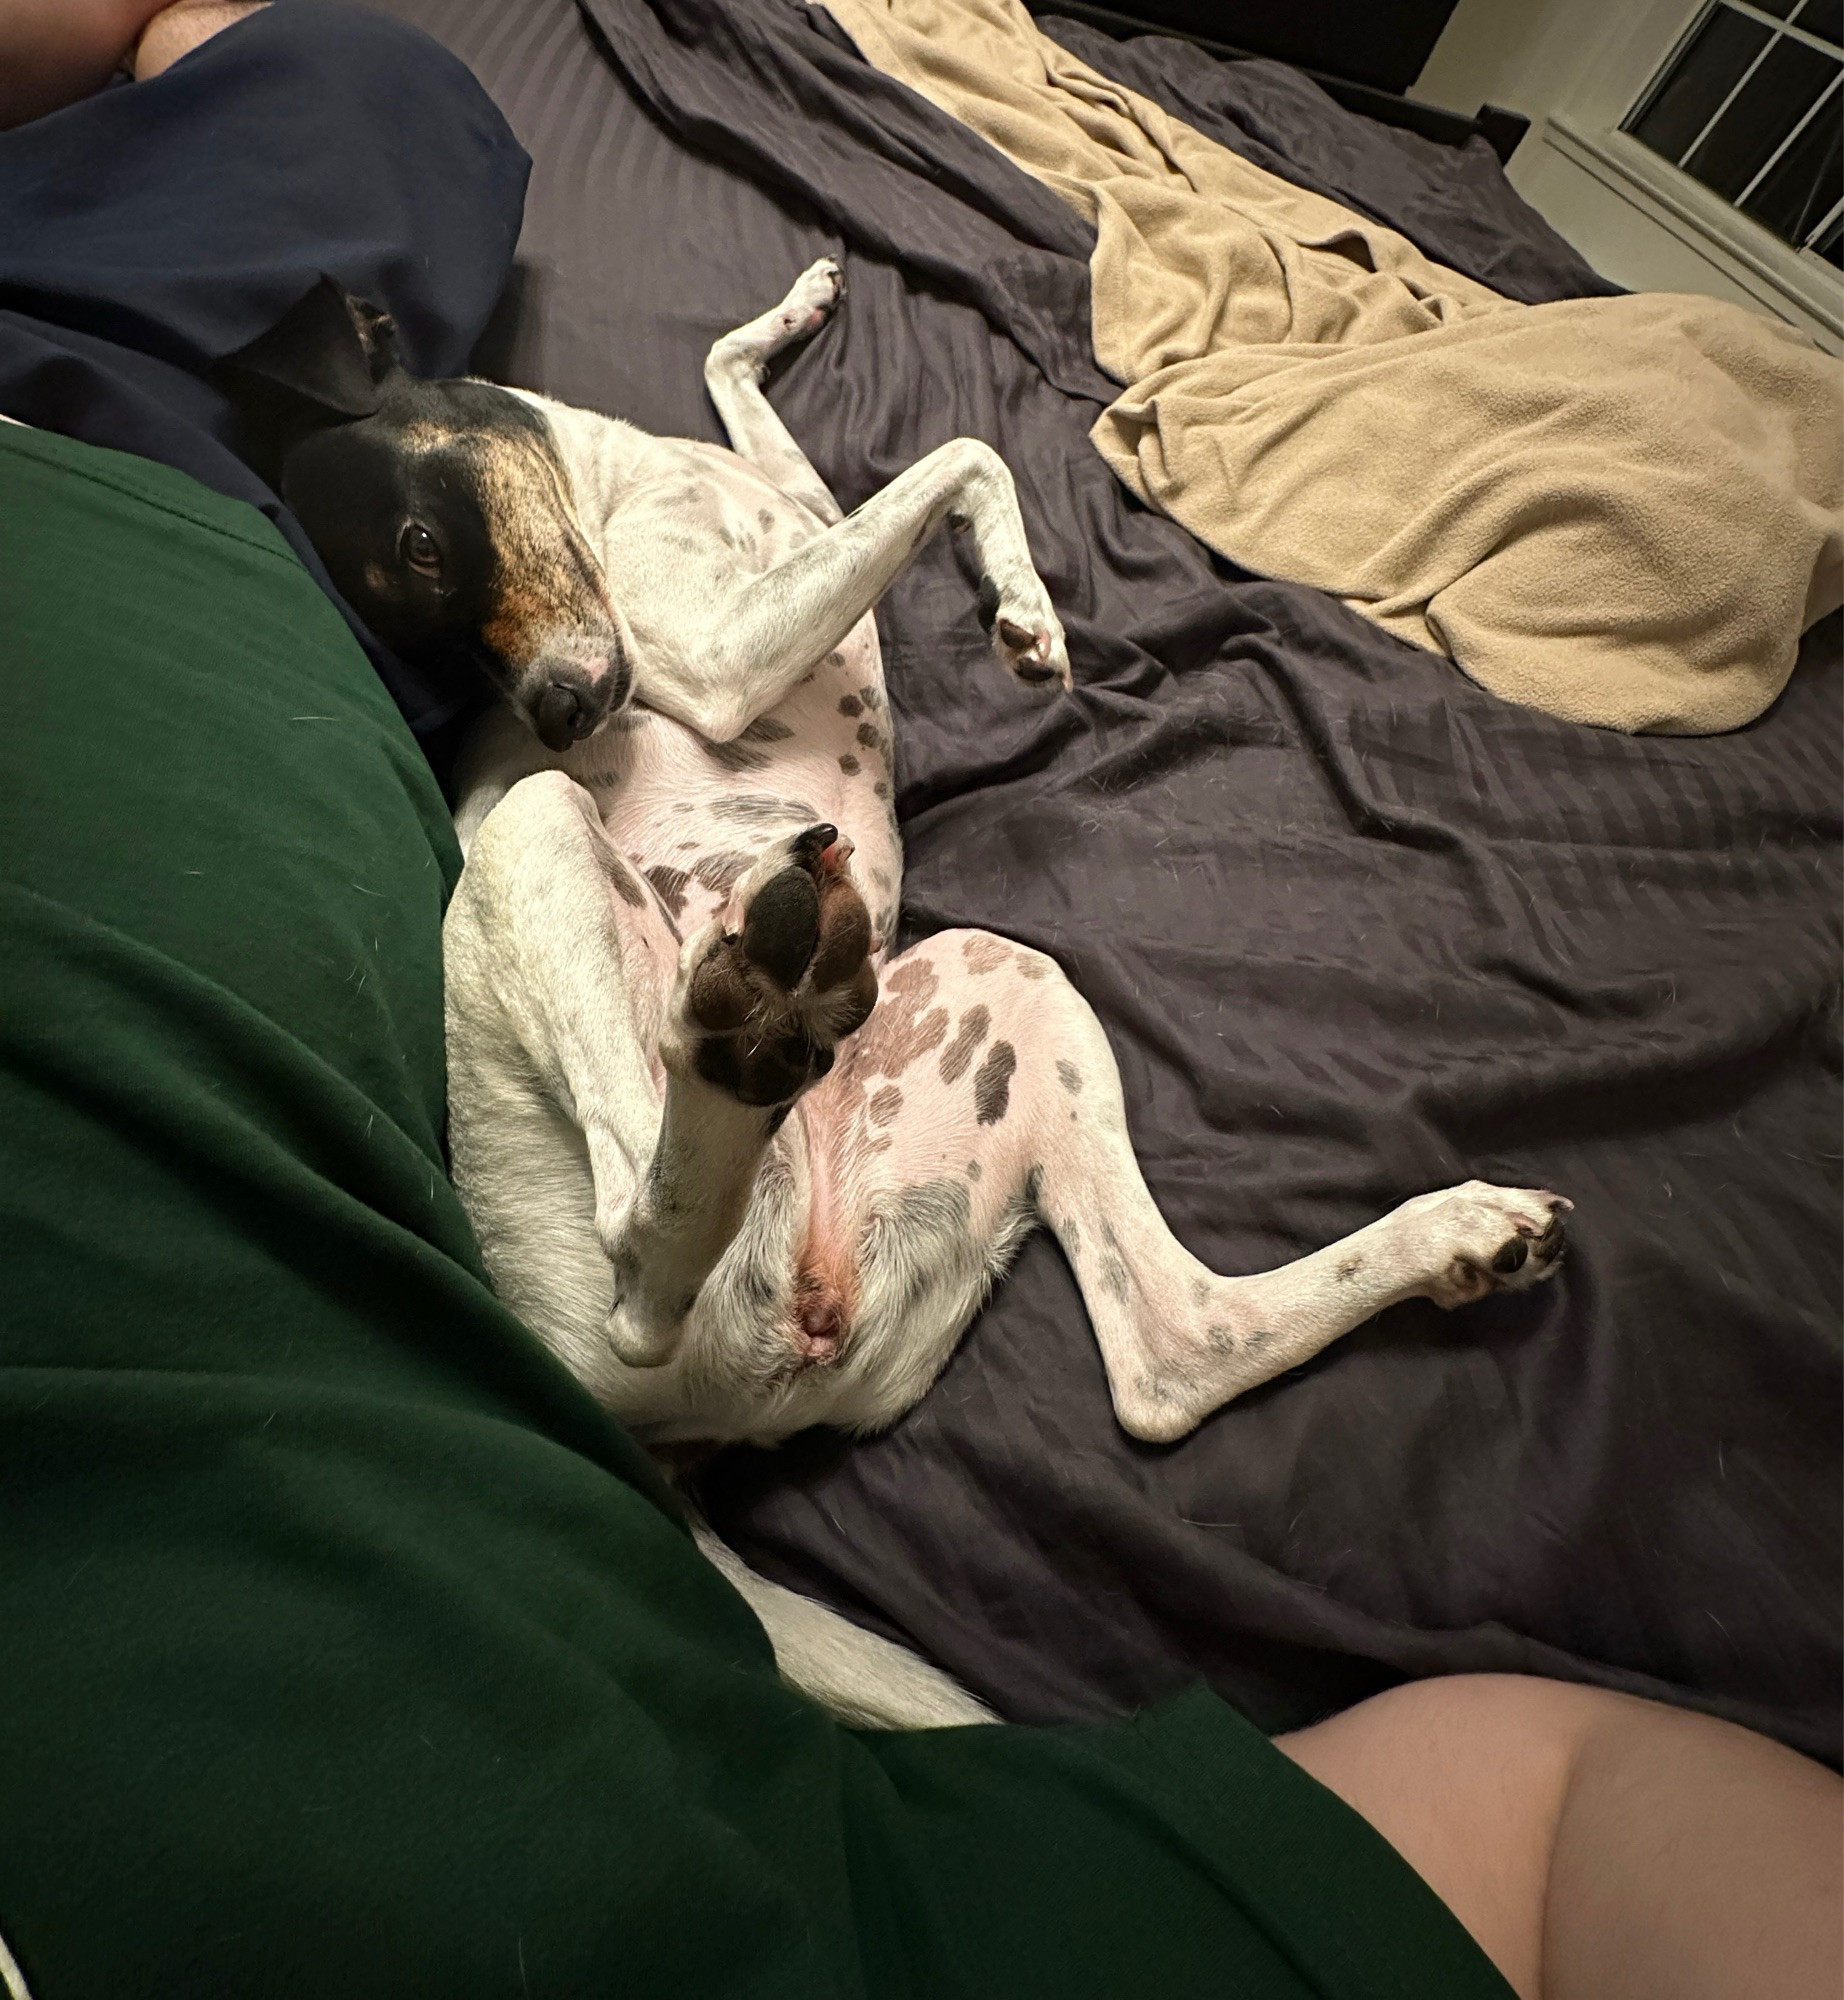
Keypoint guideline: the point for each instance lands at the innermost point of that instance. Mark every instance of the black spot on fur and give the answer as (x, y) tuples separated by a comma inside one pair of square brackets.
[(1069, 1076), (974, 1024), (1114, 1276), (670, 883), (766, 729), (992, 1083), (736, 756), (764, 520), (921, 1233), (871, 737), (871, 698), (850, 765), (880, 789), (720, 872), (973, 1170), (885, 1105), (849, 704), (758, 809), (1349, 1269), (622, 877), (988, 603)]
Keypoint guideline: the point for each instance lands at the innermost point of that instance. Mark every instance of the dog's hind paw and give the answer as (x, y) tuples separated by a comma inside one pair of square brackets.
[(1490, 1239), (767, 991)]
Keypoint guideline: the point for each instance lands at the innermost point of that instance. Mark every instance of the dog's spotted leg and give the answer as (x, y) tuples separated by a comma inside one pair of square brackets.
[(1010, 1102), (558, 966), (1184, 1342), (764, 994), (1178, 1340), (767, 633), (733, 374)]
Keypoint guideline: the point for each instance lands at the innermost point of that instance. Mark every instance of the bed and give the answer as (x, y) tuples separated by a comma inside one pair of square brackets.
[(1355, 927)]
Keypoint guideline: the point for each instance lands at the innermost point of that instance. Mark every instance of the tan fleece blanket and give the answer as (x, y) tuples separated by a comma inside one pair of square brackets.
[(1624, 511)]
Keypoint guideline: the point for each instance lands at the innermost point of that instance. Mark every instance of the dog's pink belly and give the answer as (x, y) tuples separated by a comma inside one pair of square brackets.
[(692, 816)]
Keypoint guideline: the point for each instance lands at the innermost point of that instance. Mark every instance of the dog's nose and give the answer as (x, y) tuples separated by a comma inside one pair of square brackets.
[(564, 715)]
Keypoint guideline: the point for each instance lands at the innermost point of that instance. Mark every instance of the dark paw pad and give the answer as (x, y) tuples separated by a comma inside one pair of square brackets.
[(767, 1003), (783, 926), (762, 1073)]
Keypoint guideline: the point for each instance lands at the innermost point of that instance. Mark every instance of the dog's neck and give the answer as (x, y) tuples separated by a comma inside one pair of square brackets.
[(603, 455)]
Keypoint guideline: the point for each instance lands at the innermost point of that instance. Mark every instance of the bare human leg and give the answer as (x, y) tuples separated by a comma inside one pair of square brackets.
[(1600, 1847)]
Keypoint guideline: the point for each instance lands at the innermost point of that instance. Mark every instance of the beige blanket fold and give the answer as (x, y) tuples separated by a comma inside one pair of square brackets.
[(1624, 511)]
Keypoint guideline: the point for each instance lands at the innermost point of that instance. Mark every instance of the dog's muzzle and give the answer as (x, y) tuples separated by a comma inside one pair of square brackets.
[(568, 701)]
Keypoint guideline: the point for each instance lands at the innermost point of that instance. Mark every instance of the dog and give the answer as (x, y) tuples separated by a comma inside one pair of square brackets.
[(742, 1168)]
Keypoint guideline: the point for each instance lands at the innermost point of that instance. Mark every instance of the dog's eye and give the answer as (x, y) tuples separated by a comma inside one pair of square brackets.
[(419, 550)]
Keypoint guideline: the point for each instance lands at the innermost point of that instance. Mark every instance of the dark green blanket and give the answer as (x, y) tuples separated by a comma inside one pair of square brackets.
[(345, 1646)]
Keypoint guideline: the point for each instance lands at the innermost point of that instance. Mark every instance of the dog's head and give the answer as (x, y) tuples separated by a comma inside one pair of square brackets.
[(442, 510)]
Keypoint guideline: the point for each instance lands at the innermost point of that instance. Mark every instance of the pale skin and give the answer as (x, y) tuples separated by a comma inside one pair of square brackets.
[(1600, 1847), (53, 52)]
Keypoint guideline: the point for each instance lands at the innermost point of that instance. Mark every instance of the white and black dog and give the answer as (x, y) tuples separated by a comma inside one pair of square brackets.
[(739, 1168)]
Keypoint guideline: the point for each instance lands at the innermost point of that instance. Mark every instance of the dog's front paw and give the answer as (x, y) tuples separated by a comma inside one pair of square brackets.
[(1026, 633), (767, 992), (811, 300), (1484, 1239)]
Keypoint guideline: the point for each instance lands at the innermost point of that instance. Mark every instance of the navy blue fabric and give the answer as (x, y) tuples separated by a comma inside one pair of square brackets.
[(150, 231)]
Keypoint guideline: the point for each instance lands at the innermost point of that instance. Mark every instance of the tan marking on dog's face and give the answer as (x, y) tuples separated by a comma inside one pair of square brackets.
[(546, 581)]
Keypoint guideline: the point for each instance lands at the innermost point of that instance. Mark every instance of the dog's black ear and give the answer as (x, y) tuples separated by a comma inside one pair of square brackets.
[(332, 349)]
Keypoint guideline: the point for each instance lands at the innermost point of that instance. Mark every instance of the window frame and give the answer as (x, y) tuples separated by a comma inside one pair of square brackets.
[(1612, 80)]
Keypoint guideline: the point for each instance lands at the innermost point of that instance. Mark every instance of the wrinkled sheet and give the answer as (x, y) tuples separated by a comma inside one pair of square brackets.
[(1622, 510), (1355, 928)]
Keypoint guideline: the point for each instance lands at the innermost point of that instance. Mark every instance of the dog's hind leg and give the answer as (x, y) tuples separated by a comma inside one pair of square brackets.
[(558, 966), (1178, 1340), (1033, 1097), (733, 374)]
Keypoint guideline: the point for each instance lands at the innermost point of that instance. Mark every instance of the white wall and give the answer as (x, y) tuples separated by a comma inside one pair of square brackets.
[(1522, 54), (1573, 67)]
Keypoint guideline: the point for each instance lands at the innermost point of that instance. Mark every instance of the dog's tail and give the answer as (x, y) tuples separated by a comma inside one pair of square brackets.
[(859, 1678)]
